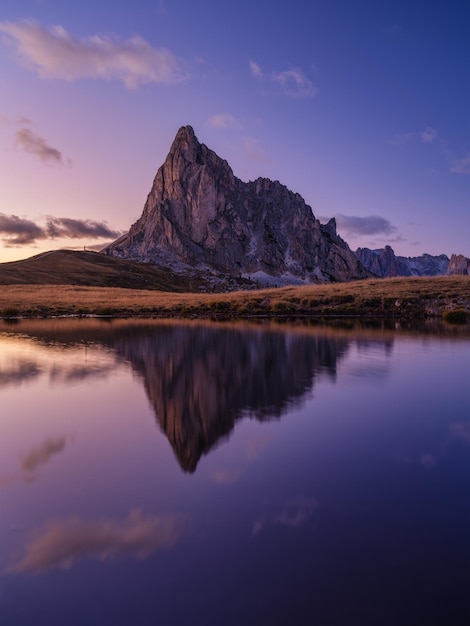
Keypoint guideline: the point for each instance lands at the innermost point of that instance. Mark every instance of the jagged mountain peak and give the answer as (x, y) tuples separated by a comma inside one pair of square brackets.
[(186, 133), (199, 214), (186, 143), (385, 263)]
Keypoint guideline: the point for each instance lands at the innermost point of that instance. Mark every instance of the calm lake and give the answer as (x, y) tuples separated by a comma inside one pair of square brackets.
[(173, 474)]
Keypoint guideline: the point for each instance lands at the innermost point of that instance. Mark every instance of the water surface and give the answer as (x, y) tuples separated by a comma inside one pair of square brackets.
[(173, 474)]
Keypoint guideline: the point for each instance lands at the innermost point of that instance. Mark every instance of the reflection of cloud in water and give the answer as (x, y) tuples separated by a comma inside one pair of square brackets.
[(202, 379), (294, 514), (63, 542), (25, 371), (251, 452), (39, 455), (31, 460), (443, 447), (428, 460), (25, 360), (6, 481), (79, 373), (227, 476), (255, 445), (461, 430), (19, 372)]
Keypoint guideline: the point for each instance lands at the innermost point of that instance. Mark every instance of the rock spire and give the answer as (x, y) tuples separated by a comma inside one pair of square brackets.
[(202, 216)]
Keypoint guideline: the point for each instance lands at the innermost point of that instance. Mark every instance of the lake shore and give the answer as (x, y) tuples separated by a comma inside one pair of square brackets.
[(443, 297)]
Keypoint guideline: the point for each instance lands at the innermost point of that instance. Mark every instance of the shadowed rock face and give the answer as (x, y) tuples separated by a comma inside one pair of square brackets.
[(200, 381), (385, 263), (458, 264), (200, 214)]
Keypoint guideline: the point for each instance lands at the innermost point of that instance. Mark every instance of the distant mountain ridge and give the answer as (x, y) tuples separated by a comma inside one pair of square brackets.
[(199, 215), (386, 264)]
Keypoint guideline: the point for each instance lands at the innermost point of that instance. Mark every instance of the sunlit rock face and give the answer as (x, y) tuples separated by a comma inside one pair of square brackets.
[(385, 263), (201, 380), (199, 214)]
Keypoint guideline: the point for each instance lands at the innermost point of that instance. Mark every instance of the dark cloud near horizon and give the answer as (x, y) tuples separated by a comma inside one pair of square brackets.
[(28, 141), (79, 229), (368, 225), (18, 231)]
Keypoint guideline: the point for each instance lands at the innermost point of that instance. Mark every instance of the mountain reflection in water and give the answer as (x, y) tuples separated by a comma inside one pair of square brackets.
[(352, 509), (200, 379)]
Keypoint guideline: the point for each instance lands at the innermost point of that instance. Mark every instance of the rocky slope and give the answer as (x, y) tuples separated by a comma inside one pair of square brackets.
[(198, 215), (458, 265), (385, 263)]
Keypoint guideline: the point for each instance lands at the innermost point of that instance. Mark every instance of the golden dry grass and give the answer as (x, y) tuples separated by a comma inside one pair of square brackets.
[(396, 297)]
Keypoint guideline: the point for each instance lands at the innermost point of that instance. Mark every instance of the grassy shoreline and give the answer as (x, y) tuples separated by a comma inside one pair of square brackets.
[(396, 298)]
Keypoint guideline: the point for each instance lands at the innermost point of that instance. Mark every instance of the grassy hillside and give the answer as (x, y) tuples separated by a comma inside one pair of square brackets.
[(70, 267), (397, 298)]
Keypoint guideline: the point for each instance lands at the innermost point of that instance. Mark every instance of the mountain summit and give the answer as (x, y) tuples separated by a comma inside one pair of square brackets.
[(198, 215)]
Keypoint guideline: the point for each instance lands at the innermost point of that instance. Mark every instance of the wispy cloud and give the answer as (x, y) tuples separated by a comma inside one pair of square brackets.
[(253, 151), (368, 225), (62, 543), (17, 231), (428, 135), (461, 166), (292, 82), (55, 53), (255, 70), (28, 141), (69, 228), (295, 84), (225, 121)]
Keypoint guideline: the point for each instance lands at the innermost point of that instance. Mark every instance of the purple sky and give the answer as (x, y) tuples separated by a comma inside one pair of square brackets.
[(361, 107)]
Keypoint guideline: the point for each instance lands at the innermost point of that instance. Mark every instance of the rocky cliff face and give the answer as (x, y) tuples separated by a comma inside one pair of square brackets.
[(199, 214), (384, 263), (458, 264)]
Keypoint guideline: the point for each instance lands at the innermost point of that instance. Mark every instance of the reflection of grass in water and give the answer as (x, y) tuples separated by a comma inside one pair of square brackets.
[(394, 297), (456, 316), (10, 312)]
